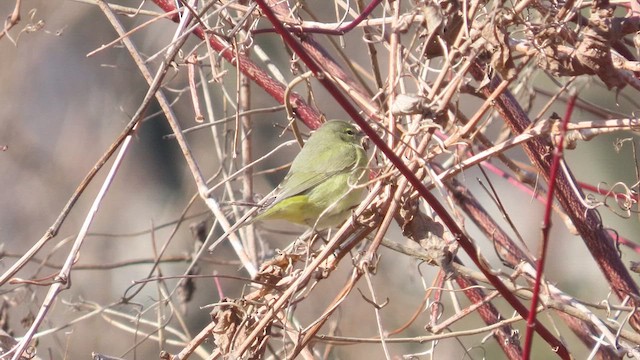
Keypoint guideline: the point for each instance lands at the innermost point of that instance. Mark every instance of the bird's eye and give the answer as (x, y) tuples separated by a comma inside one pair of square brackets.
[(349, 132)]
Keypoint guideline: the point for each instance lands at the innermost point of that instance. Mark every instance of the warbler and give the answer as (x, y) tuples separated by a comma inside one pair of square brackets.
[(325, 181)]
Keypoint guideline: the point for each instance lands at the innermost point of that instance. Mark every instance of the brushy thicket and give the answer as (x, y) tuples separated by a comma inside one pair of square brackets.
[(477, 237)]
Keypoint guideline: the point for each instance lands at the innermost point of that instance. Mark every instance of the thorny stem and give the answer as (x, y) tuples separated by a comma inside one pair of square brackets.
[(405, 61), (274, 88), (586, 221), (546, 227), (451, 224)]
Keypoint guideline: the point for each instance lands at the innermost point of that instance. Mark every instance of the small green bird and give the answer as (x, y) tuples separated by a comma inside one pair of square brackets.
[(325, 180)]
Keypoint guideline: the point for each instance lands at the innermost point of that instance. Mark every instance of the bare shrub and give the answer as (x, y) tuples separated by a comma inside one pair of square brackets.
[(482, 182)]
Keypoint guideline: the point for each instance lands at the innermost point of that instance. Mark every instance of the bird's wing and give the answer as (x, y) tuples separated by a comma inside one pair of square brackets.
[(305, 175)]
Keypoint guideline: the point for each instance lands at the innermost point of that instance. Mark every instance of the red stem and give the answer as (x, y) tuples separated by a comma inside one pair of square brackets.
[(587, 221), (462, 239), (307, 114), (619, 196), (616, 238), (546, 227)]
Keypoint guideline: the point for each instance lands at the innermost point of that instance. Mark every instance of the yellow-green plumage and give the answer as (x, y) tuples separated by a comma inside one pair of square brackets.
[(323, 183)]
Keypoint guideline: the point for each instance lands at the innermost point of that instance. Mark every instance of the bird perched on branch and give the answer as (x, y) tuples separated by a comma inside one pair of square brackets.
[(325, 180)]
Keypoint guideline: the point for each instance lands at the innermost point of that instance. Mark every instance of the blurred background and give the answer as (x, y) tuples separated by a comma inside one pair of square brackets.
[(61, 110)]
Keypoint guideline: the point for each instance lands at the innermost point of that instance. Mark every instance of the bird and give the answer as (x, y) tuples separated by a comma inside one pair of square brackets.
[(325, 181)]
